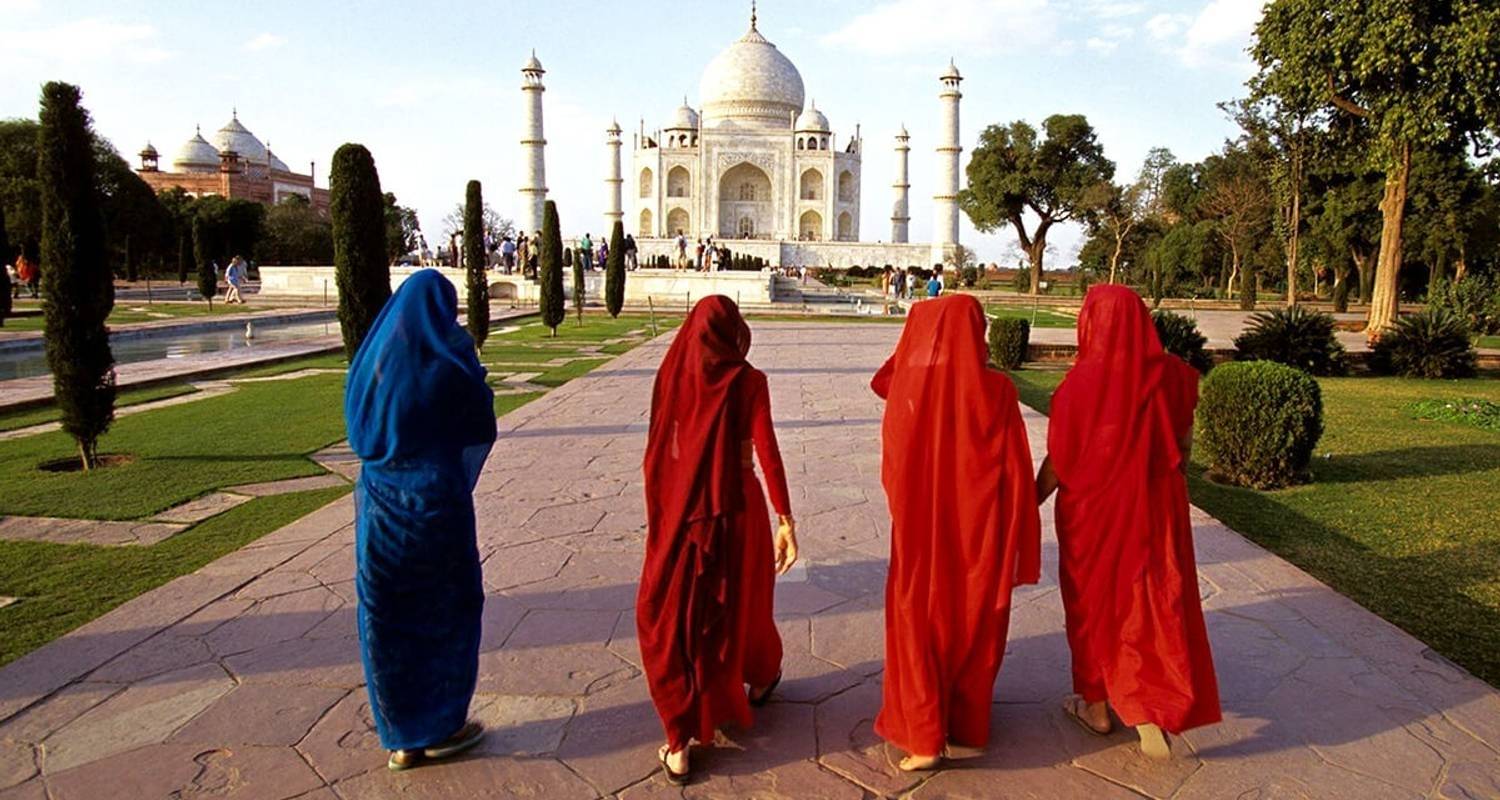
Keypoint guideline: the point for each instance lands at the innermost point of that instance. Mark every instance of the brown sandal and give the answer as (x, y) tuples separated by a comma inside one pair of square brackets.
[(1074, 709)]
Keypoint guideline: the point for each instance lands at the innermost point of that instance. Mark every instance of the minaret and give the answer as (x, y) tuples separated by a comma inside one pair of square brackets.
[(945, 202), (613, 183), (533, 149), (901, 210)]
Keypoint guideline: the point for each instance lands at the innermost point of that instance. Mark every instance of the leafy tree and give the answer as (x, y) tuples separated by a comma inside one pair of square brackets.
[(203, 246), (20, 191), (494, 224), (403, 231), (5, 298), (1153, 182), (614, 271), (80, 290), (1237, 199), (361, 269), (1344, 224), (1055, 179), (478, 285), (295, 233), (551, 267), (1117, 210), (1280, 134), (1187, 248), (1417, 75), (185, 265)]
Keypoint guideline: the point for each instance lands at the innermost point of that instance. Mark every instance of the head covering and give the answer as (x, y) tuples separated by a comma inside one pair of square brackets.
[(416, 388), (693, 486), (1108, 415)]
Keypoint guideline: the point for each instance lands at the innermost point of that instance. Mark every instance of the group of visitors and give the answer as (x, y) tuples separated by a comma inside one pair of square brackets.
[(23, 274), (907, 284), (420, 417)]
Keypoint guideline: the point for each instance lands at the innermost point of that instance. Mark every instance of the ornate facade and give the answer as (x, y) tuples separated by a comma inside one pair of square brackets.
[(235, 165)]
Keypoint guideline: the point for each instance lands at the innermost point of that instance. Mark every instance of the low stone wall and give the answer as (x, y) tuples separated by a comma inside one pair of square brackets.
[(655, 284), (840, 255)]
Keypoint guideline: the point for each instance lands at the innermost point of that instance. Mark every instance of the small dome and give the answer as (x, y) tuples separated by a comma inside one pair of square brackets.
[(614, 127), (751, 80), (903, 134), (951, 72), (196, 155), (686, 117), (276, 163), (236, 137), (533, 65), (812, 120)]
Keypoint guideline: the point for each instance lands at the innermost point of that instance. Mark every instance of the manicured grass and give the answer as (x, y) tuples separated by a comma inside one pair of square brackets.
[(1489, 341), (1401, 515), (1039, 318), (63, 586), (506, 403), (132, 312), (12, 420), (326, 361)]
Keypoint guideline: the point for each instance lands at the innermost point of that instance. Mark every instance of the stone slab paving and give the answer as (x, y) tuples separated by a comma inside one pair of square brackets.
[(88, 531), (202, 508), (243, 679), (288, 486)]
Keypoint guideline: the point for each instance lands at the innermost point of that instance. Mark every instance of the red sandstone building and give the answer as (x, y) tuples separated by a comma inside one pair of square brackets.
[(235, 165)]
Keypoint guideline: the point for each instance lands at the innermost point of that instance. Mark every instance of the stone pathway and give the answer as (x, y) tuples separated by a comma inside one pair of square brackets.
[(243, 679)]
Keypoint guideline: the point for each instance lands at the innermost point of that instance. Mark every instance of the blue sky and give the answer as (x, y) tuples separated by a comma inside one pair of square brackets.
[(432, 88)]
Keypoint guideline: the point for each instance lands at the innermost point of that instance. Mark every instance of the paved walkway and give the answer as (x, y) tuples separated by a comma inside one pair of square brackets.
[(243, 679)]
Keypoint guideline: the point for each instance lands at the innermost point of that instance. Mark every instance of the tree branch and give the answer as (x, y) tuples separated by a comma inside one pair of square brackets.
[(1344, 103)]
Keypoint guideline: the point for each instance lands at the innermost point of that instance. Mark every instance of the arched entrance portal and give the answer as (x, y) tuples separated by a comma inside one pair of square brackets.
[(810, 226), (646, 224), (677, 222), (744, 192)]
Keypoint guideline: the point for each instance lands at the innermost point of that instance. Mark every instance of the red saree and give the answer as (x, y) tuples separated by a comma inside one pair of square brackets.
[(704, 609), (1129, 580), (956, 468)]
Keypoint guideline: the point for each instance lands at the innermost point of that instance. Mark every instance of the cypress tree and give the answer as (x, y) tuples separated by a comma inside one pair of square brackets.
[(614, 271), (578, 265), (184, 256), (4, 274), (479, 287), (360, 267), (208, 282), (75, 271), (551, 267)]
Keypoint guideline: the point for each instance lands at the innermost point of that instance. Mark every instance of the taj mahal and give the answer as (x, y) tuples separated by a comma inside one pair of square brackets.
[(758, 167)]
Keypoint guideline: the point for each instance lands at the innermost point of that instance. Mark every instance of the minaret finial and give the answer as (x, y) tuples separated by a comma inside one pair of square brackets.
[(752, 15)]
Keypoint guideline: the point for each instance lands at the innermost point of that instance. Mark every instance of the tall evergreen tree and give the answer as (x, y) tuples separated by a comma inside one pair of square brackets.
[(184, 256), (4, 274), (360, 267), (479, 287), (203, 248), (79, 287), (551, 267), (614, 271)]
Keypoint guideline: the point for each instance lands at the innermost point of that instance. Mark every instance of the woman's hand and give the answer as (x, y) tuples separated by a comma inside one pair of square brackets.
[(786, 544)]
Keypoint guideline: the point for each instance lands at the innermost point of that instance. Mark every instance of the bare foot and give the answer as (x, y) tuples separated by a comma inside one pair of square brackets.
[(1093, 717), (1153, 742), (916, 763)]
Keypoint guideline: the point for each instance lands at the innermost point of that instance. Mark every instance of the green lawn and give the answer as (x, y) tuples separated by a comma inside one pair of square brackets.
[(11, 420), (126, 313), (1039, 318), (62, 586), (262, 431), (1401, 516), (1490, 341)]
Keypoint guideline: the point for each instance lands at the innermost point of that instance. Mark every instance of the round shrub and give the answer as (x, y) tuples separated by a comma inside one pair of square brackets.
[(1432, 344), (1179, 336), (1258, 421), (1009, 339), (1295, 337)]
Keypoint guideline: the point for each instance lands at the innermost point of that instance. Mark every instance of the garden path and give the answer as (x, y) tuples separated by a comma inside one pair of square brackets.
[(243, 679)]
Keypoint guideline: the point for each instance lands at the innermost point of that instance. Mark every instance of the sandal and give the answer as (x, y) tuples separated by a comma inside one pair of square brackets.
[(674, 778), (916, 763), (1154, 742), (1074, 709), (466, 737), (765, 695), (403, 759)]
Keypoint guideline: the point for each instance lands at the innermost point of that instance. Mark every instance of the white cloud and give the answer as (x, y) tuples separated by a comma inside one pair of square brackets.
[(1165, 26), (17, 6), (1216, 36), (265, 41), (1102, 46), (947, 26), (1107, 9), (91, 39)]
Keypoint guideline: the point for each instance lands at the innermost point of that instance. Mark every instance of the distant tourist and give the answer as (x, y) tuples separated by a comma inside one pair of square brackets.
[(586, 245), (898, 284), (1118, 444), (630, 256), (887, 280), (28, 273), (698, 258), (956, 557), (523, 250), (935, 283), (234, 276), (681, 248), (508, 255), (421, 418), (603, 257), (703, 613)]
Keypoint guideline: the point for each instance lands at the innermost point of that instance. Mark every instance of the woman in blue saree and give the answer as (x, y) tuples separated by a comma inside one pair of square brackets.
[(422, 420)]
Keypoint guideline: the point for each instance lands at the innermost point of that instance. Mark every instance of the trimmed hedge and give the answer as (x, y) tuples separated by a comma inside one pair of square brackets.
[(1009, 339), (1431, 344), (1259, 421), (1179, 336), (1295, 337)]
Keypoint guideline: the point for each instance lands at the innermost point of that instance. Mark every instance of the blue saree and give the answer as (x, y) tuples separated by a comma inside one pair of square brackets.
[(421, 418)]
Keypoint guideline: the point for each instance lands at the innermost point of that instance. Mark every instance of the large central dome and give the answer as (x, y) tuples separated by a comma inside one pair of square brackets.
[(751, 81)]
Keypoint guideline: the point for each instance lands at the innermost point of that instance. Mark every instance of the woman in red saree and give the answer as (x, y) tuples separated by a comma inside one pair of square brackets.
[(1118, 444), (961, 542), (704, 610)]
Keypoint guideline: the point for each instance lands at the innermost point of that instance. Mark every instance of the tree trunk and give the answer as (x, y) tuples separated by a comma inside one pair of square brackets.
[(1435, 275), (1363, 268), (1114, 259), (1247, 284), (1461, 265), (1291, 250), (1385, 301), (1037, 250)]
